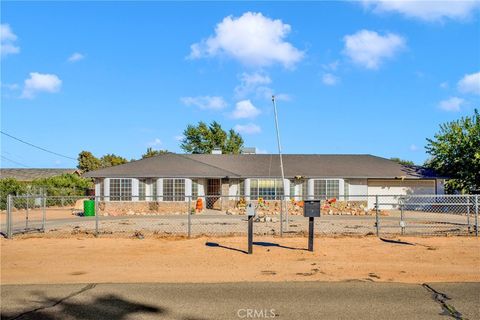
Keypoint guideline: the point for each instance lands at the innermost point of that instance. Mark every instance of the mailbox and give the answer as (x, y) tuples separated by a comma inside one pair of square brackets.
[(250, 210), (311, 208)]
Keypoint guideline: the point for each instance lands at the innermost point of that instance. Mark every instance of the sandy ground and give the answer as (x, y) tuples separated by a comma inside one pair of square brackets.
[(130, 260)]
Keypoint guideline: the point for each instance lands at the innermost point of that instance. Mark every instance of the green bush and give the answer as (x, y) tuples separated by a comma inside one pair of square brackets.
[(64, 185), (10, 186)]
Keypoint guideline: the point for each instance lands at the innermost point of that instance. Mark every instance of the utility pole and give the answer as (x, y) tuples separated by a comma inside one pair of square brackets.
[(281, 163)]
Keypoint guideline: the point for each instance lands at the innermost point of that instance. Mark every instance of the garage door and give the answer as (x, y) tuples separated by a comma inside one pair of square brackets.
[(398, 187)]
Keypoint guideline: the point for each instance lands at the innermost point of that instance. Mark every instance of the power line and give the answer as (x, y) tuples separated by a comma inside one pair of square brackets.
[(40, 148), (13, 161)]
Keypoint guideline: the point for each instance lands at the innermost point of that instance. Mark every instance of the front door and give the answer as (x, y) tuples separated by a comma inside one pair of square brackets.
[(213, 193)]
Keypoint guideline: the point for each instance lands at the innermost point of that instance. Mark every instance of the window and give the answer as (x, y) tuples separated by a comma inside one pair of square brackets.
[(194, 189), (300, 192), (121, 189), (142, 189), (326, 188), (173, 190), (268, 189)]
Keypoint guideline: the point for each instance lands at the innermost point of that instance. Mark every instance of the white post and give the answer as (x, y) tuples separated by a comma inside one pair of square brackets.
[(188, 189), (281, 159), (135, 186), (106, 189), (247, 190), (160, 189), (310, 189)]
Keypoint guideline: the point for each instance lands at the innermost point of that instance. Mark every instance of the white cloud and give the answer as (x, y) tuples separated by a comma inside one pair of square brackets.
[(330, 79), (40, 82), (9, 86), (248, 128), (451, 104), (179, 137), (369, 49), (470, 83), (251, 83), (425, 10), (245, 109), (156, 142), (7, 41), (413, 147), (444, 85), (252, 39), (332, 66), (205, 102), (76, 57)]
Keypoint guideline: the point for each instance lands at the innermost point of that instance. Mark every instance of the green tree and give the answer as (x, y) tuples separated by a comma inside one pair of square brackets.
[(88, 162), (152, 153), (455, 153), (203, 139), (404, 162), (110, 160)]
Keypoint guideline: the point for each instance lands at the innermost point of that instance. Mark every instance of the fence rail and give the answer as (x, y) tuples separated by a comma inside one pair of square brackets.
[(225, 215)]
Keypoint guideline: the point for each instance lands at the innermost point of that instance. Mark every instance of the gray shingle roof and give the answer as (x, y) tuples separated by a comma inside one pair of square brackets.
[(263, 165), (32, 174)]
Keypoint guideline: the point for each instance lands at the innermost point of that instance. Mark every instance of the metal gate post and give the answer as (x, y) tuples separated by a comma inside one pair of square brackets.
[(402, 225), (189, 218), (377, 221), (476, 215), (468, 214), (9, 216), (97, 213), (44, 211)]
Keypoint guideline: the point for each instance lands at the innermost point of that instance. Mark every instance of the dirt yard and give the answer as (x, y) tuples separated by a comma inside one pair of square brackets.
[(111, 260)]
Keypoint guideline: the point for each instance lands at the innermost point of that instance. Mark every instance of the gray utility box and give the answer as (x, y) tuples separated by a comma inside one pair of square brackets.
[(311, 208), (250, 210)]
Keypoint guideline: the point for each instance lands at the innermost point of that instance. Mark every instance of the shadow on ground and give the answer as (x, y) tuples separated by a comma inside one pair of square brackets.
[(214, 244), (111, 306), (271, 244)]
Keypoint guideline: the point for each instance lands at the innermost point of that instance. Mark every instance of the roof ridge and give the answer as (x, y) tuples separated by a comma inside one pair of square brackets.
[(186, 156)]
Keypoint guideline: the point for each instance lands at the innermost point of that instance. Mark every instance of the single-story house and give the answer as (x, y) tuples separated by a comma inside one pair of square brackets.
[(30, 174), (177, 177)]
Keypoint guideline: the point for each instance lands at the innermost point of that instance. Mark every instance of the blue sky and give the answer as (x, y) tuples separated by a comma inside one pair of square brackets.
[(351, 77)]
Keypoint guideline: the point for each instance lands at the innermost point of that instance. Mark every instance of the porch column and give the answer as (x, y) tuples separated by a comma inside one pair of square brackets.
[(310, 187), (247, 189), (106, 189), (160, 189), (135, 192), (188, 189), (287, 189)]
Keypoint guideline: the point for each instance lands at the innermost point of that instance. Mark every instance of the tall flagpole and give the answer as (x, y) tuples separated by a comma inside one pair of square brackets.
[(281, 162)]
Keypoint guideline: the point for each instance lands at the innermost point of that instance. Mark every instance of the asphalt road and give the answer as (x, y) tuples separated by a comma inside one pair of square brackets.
[(260, 300)]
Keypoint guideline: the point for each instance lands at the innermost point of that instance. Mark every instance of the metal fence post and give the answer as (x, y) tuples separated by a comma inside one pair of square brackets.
[(476, 215), (377, 221), (281, 219), (189, 217), (97, 213), (9, 216), (402, 224), (44, 211), (468, 214), (26, 215)]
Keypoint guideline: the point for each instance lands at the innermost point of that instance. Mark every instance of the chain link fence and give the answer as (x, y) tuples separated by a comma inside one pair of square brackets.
[(225, 215)]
